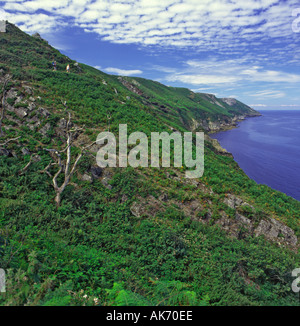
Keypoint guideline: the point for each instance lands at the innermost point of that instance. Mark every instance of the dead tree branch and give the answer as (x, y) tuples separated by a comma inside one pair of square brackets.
[(33, 158), (65, 165), (9, 140)]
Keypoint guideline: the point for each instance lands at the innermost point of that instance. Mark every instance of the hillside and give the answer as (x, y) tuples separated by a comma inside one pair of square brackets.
[(128, 236)]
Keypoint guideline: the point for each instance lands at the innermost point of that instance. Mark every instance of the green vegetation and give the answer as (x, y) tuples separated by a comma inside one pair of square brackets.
[(92, 250)]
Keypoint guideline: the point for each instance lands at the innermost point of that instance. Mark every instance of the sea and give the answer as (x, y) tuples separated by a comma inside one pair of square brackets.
[(267, 148)]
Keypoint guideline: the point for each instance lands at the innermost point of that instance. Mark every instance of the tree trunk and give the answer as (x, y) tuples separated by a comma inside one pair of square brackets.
[(57, 199)]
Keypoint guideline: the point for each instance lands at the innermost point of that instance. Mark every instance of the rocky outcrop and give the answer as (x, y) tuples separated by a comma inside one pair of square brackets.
[(217, 147), (86, 177), (45, 129), (38, 36), (230, 101), (239, 227), (96, 172), (44, 112), (137, 209), (276, 231), (222, 124), (213, 99), (234, 202), (131, 86), (268, 227)]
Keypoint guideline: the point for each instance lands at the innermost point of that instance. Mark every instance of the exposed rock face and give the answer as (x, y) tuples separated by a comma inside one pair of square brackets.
[(194, 125), (275, 230), (230, 101), (28, 89), (86, 177), (44, 130), (131, 86), (95, 173), (25, 151), (38, 36), (219, 125), (233, 201), (223, 122), (146, 207), (21, 112), (44, 112), (238, 227), (213, 99), (218, 148), (268, 227), (12, 93), (137, 209)]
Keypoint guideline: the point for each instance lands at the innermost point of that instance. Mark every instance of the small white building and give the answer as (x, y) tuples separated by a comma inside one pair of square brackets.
[(2, 26)]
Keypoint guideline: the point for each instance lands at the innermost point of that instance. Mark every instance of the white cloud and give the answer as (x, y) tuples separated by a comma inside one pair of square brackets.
[(290, 105), (199, 79), (215, 71), (269, 94), (205, 24), (270, 76), (122, 72)]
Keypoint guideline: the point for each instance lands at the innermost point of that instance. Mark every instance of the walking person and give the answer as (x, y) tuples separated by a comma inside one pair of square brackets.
[(54, 65), (68, 68)]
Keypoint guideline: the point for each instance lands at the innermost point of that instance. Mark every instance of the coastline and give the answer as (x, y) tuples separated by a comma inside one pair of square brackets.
[(265, 161), (233, 124), (216, 144)]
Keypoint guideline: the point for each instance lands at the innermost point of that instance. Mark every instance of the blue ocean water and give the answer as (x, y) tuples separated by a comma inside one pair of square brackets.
[(267, 148)]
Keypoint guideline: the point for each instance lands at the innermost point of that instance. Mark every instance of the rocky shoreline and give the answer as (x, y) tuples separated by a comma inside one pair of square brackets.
[(217, 126)]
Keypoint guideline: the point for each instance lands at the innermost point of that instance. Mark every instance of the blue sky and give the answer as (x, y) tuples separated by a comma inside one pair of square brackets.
[(246, 49)]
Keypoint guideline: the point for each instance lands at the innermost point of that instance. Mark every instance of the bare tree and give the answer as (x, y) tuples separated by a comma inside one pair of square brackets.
[(3, 99), (65, 166), (9, 140), (33, 158)]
